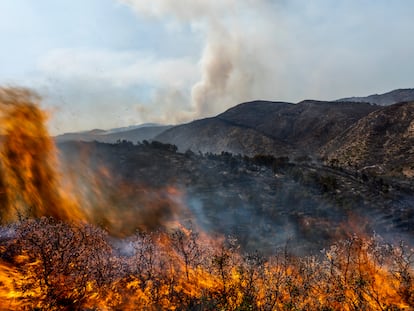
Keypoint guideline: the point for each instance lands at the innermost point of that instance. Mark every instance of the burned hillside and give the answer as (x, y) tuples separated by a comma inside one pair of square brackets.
[(265, 202)]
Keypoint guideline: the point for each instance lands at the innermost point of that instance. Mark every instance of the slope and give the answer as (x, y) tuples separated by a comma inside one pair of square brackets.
[(276, 128), (147, 132), (382, 142)]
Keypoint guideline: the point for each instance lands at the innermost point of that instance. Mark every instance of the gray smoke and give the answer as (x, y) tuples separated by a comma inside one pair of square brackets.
[(230, 63), (226, 79)]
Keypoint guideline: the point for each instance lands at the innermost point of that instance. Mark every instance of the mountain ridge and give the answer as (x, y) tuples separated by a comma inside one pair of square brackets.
[(385, 99), (279, 128), (132, 133)]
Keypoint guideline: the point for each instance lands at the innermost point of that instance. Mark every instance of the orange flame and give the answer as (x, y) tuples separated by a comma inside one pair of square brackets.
[(180, 271), (29, 179)]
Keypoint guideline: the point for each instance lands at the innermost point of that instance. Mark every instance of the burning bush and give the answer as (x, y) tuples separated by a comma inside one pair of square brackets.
[(58, 264), (49, 264)]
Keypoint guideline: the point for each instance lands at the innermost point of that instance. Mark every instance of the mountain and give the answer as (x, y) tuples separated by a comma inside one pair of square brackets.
[(382, 142), (216, 135), (131, 127), (393, 97), (132, 133), (277, 128)]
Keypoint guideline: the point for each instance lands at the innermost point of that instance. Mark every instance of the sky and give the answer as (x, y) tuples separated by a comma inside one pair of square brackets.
[(114, 63)]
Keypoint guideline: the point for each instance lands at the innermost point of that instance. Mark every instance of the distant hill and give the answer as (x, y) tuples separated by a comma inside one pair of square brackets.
[(216, 135), (277, 128), (131, 127), (393, 97), (382, 142), (133, 134)]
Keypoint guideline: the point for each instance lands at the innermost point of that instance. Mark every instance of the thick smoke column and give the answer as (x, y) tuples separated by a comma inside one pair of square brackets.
[(229, 64), (225, 76)]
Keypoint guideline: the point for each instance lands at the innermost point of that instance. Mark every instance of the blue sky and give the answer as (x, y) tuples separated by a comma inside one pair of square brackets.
[(111, 63)]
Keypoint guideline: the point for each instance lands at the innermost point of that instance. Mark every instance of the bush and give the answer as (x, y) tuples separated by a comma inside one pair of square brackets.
[(46, 264)]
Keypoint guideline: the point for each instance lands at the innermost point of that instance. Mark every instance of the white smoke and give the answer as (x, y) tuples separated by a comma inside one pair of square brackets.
[(278, 49), (184, 10), (230, 68)]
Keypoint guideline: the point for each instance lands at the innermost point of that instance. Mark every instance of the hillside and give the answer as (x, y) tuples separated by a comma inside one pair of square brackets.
[(217, 135), (306, 125), (383, 142), (277, 128), (266, 203)]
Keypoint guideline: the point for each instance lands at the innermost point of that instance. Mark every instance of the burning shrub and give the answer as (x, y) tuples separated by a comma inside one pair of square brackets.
[(61, 266)]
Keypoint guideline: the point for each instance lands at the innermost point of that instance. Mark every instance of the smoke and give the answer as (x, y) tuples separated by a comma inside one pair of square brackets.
[(168, 106), (226, 76), (230, 64), (185, 10)]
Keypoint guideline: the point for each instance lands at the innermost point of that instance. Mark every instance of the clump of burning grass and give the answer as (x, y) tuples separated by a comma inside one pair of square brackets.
[(49, 264)]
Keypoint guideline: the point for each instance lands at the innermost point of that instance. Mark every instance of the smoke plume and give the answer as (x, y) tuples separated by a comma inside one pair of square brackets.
[(230, 66)]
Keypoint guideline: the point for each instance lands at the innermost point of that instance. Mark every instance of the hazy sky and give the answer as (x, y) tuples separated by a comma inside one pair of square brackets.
[(111, 63)]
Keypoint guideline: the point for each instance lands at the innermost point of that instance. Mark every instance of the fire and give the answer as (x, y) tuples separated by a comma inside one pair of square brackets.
[(58, 250), (58, 266), (29, 179)]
